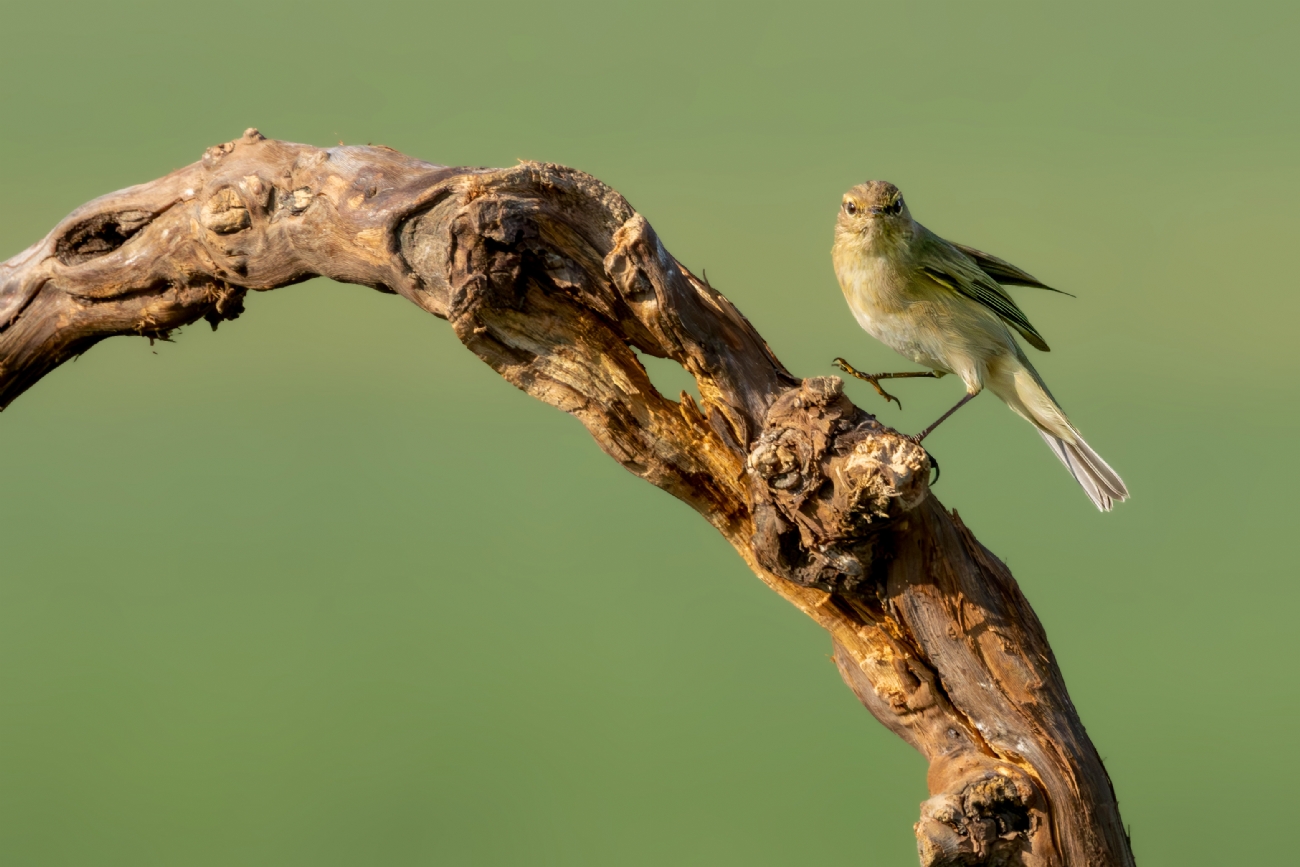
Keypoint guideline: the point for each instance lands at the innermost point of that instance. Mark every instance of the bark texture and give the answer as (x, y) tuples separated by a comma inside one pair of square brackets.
[(552, 278)]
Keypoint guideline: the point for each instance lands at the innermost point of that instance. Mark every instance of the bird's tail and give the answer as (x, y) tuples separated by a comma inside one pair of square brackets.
[(1102, 484), (1020, 386)]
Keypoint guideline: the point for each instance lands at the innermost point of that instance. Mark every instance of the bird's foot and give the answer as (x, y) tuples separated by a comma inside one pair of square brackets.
[(874, 379)]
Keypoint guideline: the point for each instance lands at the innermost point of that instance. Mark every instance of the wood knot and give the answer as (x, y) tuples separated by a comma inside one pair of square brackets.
[(782, 460), (216, 152), (987, 815), (826, 477), (225, 213), (818, 391), (299, 200)]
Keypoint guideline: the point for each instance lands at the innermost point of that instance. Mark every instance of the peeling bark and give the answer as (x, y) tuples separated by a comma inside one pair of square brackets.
[(552, 279)]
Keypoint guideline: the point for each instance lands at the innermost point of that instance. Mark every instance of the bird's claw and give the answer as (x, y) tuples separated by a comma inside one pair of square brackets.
[(866, 377)]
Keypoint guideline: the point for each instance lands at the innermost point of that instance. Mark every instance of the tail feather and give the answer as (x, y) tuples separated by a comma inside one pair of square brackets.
[(1102, 484), (1020, 386)]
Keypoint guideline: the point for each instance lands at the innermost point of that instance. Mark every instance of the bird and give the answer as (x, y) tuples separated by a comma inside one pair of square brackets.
[(941, 305)]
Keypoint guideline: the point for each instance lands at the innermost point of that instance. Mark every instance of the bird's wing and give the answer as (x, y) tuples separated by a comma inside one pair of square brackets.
[(1003, 271), (951, 267)]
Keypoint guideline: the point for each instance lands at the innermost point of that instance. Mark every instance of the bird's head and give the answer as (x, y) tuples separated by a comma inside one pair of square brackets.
[(874, 211)]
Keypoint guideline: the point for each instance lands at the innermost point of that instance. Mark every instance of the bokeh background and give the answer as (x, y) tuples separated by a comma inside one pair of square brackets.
[(321, 589)]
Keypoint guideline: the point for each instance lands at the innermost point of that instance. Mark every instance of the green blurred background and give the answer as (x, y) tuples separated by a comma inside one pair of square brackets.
[(321, 589)]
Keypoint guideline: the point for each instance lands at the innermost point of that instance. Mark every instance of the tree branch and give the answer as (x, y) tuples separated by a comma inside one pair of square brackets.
[(553, 279)]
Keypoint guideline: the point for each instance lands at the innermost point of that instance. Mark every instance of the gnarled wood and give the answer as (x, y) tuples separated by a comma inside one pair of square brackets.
[(554, 280)]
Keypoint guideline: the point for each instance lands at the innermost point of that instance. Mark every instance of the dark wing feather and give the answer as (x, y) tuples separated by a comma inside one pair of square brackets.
[(951, 267), (1003, 271), (984, 293)]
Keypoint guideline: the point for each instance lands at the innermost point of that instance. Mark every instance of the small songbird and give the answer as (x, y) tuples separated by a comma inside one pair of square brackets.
[(940, 305)]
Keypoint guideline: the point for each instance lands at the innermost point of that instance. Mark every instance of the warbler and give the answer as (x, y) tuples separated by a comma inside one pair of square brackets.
[(940, 304)]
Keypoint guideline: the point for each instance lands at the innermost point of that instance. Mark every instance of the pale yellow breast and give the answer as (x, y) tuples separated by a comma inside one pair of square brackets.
[(921, 320), (888, 307)]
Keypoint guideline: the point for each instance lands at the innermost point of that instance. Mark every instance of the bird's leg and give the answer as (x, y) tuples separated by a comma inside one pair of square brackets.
[(925, 433), (874, 378)]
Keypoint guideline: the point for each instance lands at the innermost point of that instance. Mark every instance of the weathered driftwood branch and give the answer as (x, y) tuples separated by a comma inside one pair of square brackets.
[(552, 278)]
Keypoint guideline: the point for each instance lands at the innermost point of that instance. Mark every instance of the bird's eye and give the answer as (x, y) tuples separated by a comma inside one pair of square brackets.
[(896, 207), (850, 208)]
